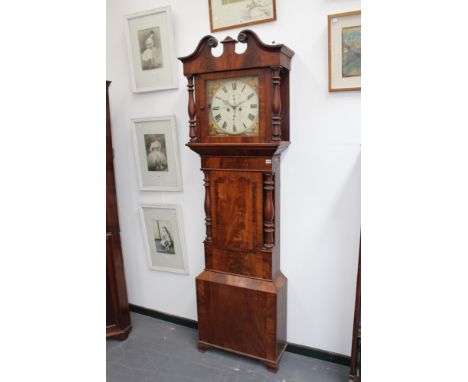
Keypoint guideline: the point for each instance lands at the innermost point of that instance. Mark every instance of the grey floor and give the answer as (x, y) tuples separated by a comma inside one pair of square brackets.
[(159, 351)]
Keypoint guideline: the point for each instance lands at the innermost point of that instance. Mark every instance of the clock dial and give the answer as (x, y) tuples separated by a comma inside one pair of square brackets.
[(233, 106)]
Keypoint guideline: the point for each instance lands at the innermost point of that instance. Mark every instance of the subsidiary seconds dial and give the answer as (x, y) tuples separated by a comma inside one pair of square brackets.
[(234, 107)]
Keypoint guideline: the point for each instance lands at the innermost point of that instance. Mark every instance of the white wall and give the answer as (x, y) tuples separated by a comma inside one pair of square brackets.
[(320, 172)]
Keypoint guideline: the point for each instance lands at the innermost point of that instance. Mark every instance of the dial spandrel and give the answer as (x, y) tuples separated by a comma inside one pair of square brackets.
[(233, 107)]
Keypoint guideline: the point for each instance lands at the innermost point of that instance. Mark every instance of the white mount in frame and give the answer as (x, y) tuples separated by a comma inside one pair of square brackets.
[(151, 50), (163, 235), (157, 153)]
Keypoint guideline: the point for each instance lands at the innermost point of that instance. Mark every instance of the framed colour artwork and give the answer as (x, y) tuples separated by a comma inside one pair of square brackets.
[(228, 14), (344, 51), (151, 52), (157, 154), (164, 237)]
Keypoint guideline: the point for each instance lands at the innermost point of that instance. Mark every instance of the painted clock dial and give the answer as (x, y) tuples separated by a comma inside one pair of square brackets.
[(233, 106)]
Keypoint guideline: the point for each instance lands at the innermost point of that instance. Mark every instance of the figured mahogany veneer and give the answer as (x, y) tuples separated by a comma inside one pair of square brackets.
[(241, 294), (243, 315)]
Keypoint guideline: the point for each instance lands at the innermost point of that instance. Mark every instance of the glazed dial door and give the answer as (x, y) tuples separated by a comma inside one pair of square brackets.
[(233, 106)]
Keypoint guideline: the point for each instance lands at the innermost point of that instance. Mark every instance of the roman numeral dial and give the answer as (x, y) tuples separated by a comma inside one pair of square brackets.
[(233, 106)]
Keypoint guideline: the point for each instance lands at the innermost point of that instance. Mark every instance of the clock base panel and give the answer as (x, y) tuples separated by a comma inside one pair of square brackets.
[(243, 315)]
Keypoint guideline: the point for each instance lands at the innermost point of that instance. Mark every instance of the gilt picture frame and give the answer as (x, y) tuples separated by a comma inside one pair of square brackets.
[(344, 51), (163, 235), (229, 14), (151, 50), (156, 153)]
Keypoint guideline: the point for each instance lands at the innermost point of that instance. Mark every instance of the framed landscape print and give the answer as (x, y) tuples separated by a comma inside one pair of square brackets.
[(150, 44), (157, 154), (163, 234), (344, 51), (227, 14)]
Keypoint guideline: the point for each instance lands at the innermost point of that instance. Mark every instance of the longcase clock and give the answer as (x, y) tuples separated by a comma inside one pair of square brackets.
[(239, 124)]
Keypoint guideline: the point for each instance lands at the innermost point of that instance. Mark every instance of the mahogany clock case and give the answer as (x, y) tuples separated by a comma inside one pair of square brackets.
[(271, 63), (241, 294)]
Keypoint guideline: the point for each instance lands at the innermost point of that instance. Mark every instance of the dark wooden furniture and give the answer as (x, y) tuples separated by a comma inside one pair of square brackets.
[(117, 314), (355, 369), (241, 294)]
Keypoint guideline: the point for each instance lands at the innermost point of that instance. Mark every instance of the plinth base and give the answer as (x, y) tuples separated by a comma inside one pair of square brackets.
[(243, 315), (272, 366)]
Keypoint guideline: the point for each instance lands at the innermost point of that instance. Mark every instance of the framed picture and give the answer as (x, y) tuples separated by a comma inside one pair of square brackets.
[(227, 14), (151, 52), (344, 51), (157, 154), (164, 237)]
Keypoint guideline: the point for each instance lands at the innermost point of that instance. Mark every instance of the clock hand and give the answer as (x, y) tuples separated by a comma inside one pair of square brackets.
[(234, 121), (240, 103), (225, 101)]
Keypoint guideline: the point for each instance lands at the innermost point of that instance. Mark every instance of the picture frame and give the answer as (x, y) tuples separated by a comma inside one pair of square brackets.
[(344, 51), (163, 235), (229, 14), (157, 154), (151, 50)]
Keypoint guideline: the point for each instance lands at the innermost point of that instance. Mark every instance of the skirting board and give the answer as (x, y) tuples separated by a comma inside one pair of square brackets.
[(292, 348)]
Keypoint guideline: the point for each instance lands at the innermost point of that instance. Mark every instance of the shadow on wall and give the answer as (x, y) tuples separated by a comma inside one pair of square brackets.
[(345, 240)]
